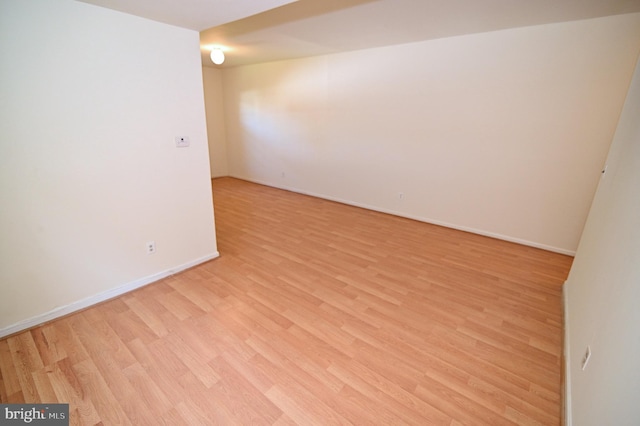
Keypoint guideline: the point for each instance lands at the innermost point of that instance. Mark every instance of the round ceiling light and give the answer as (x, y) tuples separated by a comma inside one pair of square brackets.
[(217, 56)]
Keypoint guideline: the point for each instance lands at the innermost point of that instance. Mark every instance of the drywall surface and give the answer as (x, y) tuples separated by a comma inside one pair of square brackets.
[(501, 133), (90, 102), (212, 79), (603, 287)]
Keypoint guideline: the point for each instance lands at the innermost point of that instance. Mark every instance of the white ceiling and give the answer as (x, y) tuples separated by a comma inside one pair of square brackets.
[(252, 31), (193, 14)]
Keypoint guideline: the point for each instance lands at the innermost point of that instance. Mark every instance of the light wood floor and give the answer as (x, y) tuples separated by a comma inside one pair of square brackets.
[(315, 313)]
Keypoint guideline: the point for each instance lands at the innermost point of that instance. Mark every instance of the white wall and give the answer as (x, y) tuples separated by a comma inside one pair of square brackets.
[(603, 289), (501, 133), (90, 102), (212, 79)]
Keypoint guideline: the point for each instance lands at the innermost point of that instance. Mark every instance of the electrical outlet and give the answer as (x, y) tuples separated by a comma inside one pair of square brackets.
[(151, 247), (586, 357), (400, 195)]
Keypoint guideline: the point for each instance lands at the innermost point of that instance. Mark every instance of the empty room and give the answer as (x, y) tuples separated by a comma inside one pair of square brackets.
[(320, 212)]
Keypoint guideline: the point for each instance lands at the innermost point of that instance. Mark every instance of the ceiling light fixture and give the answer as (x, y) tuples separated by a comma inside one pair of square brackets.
[(217, 56)]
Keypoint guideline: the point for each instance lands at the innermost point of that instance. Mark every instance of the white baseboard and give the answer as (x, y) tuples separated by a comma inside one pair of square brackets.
[(418, 218), (567, 359), (100, 297)]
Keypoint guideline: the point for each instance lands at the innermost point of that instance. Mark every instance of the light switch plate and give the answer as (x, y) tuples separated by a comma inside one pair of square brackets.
[(182, 141)]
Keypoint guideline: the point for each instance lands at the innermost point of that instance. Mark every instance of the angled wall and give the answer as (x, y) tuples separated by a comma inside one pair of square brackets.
[(603, 288)]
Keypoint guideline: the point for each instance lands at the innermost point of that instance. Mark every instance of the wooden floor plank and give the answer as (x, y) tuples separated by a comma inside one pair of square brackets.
[(315, 313)]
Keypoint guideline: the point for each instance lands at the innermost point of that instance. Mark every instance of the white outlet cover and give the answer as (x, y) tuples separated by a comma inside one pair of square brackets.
[(182, 141)]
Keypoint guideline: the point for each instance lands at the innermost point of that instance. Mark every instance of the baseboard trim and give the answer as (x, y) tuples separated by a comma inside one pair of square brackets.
[(566, 390), (418, 218), (100, 297)]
